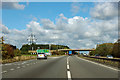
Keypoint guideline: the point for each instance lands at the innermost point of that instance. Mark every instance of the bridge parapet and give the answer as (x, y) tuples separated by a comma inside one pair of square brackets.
[(76, 49)]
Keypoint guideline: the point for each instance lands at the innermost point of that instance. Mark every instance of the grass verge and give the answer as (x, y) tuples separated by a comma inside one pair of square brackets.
[(18, 58)]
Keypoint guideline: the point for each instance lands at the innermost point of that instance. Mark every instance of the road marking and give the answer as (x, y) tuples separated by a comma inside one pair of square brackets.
[(27, 64), (68, 60), (99, 64), (4, 71), (8, 64), (69, 75), (11, 69), (23, 66), (18, 67), (67, 63), (68, 69)]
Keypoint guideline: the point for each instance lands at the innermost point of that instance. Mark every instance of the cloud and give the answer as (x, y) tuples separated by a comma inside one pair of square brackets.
[(76, 32), (47, 24), (4, 29), (12, 5), (105, 10), (75, 8)]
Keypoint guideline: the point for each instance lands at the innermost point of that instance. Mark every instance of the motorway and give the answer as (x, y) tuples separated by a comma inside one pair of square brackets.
[(62, 68)]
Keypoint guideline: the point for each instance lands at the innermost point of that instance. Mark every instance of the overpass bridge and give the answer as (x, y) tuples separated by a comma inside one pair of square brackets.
[(76, 49), (73, 50), (67, 50)]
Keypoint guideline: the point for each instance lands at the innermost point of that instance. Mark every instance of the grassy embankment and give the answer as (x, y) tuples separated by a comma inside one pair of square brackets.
[(23, 58), (18, 58), (106, 62)]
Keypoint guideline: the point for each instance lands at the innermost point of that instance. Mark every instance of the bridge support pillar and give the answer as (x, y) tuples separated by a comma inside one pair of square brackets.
[(72, 52)]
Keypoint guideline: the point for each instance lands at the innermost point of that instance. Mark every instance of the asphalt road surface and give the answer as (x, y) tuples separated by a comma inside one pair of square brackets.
[(63, 67)]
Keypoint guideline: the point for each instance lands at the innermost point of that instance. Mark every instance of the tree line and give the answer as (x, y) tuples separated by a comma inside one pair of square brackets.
[(25, 48), (107, 49)]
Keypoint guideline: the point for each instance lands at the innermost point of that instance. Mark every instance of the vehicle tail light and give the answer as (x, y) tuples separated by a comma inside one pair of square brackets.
[(37, 54), (44, 55)]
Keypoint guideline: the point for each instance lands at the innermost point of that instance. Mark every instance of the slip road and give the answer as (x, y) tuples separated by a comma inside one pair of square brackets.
[(65, 67)]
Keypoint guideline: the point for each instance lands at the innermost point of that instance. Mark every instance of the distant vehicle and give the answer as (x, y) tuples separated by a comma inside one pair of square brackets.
[(42, 53), (97, 55), (110, 56), (70, 53), (41, 56), (84, 54)]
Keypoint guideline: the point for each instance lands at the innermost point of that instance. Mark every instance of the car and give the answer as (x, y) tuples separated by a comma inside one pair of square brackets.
[(110, 56), (97, 55), (41, 56)]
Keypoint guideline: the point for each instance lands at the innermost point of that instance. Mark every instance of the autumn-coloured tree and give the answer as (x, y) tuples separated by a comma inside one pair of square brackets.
[(116, 50), (7, 51)]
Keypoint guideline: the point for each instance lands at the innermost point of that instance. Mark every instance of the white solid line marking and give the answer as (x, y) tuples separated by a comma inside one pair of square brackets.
[(69, 75), (11, 69), (99, 64)]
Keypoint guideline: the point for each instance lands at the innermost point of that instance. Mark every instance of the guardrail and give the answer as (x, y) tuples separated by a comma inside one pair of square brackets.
[(108, 61), (104, 58)]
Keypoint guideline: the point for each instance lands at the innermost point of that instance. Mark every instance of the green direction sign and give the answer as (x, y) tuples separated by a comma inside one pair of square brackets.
[(42, 50)]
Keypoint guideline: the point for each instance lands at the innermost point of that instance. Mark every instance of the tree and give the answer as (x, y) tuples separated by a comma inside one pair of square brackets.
[(7, 51), (2, 40), (103, 49), (116, 50), (17, 52)]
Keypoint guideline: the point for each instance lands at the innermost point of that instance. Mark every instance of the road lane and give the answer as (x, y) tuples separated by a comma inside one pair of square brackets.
[(51, 68), (84, 69), (58, 68)]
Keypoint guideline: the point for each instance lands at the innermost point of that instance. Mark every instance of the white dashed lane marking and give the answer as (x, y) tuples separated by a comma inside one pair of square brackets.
[(4, 71), (27, 64), (18, 67), (68, 70), (11, 69), (23, 66)]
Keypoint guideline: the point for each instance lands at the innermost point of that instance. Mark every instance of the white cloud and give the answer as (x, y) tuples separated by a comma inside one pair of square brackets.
[(76, 32), (12, 5), (105, 10), (4, 29), (47, 24), (75, 8)]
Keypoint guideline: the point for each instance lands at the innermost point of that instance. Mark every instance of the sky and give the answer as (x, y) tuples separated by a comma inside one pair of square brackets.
[(75, 24)]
